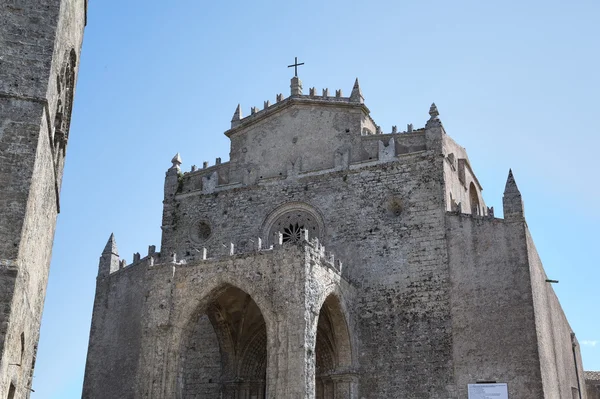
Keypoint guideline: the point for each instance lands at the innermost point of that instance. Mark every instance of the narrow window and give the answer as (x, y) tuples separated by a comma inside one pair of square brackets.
[(22, 346), (474, 198)]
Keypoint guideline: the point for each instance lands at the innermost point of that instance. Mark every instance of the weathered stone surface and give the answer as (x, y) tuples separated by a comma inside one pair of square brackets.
[(39, 47), (419, 292)]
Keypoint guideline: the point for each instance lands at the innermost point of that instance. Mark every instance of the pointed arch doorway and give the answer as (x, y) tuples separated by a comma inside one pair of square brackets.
[(333, 353), (224, 350)]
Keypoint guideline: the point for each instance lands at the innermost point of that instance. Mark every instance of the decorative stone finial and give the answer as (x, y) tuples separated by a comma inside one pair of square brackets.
[(111, 246), (176, 161), (433, 112), (356, 95)]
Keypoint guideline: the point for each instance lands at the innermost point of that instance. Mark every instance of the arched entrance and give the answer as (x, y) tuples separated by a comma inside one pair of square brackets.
[(474, 200), (333, 353), (224, 349)]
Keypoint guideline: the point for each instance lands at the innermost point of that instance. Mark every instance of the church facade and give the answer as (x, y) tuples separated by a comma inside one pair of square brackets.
[(328, 259)]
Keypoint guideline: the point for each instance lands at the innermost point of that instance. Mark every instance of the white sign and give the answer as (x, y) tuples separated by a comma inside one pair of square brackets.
[(488, 391)]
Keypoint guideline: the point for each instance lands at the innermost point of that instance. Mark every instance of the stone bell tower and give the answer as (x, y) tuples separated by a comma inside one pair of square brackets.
[(40, 43)]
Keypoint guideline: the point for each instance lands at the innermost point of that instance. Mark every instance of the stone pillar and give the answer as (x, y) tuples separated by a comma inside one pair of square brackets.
[(291, 362), (296, 86)]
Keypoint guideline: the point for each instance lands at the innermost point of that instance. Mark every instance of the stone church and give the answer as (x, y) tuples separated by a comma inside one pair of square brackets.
[(40, 43), (330, 259)]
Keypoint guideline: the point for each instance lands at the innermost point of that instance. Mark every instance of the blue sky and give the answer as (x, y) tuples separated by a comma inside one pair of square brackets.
[(516, 83)]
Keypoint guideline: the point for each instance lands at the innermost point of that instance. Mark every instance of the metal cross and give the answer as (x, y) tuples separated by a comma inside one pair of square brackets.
[(296, 65)]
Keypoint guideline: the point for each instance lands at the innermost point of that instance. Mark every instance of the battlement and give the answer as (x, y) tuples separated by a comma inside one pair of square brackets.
[(313, 247), (301, 136), (239, 122)]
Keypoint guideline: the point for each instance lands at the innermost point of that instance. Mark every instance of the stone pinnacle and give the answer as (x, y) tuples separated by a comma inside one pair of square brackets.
[(356, 95), (111, 246), (237, 115), (511, 184)]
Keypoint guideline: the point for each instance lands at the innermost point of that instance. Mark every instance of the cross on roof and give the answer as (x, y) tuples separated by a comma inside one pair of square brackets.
[(295, 65)]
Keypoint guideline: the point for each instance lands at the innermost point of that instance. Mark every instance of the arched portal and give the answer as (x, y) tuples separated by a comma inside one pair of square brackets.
[(474, 200), (333, 353), (224, 349)]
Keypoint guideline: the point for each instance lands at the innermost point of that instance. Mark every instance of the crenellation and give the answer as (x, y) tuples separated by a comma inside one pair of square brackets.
[(325, 93)]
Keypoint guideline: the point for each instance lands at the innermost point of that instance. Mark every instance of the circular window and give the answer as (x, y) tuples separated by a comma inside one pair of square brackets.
[(290, 220), (201, 231)]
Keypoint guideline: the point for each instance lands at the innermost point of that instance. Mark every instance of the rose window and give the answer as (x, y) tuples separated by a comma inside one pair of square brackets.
[(291, 224)]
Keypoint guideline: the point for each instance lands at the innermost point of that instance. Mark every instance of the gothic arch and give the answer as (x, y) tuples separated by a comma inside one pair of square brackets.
[(223, 348), (333, 352), (289, 219)]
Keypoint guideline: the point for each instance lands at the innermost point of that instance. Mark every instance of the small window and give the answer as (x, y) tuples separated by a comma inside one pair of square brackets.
[(22, 346)]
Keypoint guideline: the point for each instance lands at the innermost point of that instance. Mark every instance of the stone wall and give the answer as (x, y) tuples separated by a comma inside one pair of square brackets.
[(145, 312), (34, 38), (508, 325), (494, 332), (384, 221), (592, 383), (558, 348), (116, 331)]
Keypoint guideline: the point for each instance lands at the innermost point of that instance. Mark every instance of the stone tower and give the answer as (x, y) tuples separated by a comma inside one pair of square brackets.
[(40, 43), (330, 259)]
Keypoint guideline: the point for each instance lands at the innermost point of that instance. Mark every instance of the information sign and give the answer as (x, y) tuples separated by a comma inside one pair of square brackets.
[(488, 391)]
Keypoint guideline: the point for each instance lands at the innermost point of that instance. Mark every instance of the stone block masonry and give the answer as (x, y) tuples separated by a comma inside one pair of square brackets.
[(40, 42)]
